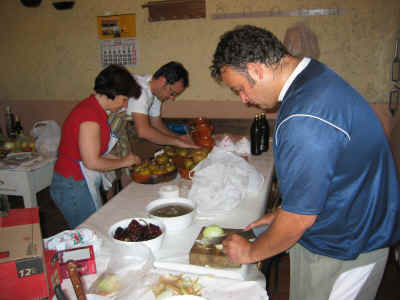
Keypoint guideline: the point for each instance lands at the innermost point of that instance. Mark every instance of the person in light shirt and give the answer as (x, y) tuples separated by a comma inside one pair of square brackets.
[(167, 83), (340, 207)]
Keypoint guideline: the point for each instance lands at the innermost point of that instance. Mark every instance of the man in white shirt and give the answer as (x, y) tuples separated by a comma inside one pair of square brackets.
[(167, 83)]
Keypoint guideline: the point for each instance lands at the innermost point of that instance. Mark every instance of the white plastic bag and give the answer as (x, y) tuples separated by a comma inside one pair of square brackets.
[(221, 182), (47, 137), (128, 274), (70, 239)]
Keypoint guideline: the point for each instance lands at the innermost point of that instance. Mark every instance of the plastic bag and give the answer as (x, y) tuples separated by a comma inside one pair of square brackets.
[(300, 41), (221, 181), (128, 274), (69, 239), (47, 137)]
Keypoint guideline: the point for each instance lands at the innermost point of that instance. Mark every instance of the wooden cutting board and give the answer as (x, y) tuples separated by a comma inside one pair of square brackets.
[(202, 255)]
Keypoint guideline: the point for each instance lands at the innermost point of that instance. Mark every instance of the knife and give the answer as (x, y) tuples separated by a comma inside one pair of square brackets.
[(76, 280)]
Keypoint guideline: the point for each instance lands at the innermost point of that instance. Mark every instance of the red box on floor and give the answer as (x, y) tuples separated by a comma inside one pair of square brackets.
[(22, 259)]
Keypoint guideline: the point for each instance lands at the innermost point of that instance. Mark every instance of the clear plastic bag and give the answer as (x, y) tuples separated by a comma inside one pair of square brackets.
[(128, 274), (47, 137), (221, 181)]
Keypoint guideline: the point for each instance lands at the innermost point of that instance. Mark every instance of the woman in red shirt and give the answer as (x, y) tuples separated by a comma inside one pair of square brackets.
[(85, 142)]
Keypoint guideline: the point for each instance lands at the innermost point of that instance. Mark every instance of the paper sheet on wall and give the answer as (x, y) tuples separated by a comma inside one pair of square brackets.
[(120, 51)]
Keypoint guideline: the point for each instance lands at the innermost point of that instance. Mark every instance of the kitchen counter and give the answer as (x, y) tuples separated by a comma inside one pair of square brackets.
[(132, 200)]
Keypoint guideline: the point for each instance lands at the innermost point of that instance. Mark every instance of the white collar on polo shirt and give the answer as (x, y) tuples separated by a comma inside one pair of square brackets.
[(299, 68)]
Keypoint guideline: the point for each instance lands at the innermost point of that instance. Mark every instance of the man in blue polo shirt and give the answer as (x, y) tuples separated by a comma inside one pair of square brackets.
[(340, 196)]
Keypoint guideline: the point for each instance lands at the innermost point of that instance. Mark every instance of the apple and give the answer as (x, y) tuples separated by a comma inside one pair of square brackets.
[(182, 152), (153, 166), (162, 159), (170, 167), (189, 164), (169, 150), (9, 145)]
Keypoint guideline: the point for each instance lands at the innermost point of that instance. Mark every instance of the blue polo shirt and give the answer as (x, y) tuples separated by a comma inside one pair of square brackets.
[(333, 160)]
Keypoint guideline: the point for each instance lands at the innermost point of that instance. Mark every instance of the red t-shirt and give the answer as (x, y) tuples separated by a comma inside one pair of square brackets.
[(68, 149)]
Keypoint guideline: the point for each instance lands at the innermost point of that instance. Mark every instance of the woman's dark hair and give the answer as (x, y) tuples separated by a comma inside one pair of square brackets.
[(246, 44), (173, 72), (116, 80)]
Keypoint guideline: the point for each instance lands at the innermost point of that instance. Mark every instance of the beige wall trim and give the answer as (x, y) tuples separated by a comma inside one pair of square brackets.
[(31, 111)]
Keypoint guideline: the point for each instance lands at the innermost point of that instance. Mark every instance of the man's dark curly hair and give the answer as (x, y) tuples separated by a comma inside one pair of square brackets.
[(173, 72), (246, 44)]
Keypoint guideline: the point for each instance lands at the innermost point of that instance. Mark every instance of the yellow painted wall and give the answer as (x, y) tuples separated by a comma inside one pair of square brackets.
[(48, 54)]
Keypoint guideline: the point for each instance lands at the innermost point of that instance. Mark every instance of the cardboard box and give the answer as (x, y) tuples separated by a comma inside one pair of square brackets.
[(22, 260)]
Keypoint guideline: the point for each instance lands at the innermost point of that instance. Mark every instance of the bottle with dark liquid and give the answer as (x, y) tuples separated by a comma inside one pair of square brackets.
[(18, 126), (396, 63), (264, 133), (255, 137), (10, 123)]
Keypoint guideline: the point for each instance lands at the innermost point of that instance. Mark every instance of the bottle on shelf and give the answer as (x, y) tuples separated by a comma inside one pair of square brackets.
[(10, 123), (2, 139), (396, 63), (264, 133), (255, 137), (18, 126)]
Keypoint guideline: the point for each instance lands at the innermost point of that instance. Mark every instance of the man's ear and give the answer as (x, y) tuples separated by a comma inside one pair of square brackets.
[(255, 71), (163, 80)]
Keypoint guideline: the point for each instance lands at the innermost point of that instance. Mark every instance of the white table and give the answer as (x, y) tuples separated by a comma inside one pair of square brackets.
[(132, 200), (27, 179)]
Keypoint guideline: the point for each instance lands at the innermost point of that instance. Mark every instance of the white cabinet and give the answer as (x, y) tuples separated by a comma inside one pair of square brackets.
[(27, 181)]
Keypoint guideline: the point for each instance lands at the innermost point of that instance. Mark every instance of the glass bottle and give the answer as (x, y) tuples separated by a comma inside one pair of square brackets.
[(255, 136), (10, 123), (18, 126), (396, 63), (264, 132)]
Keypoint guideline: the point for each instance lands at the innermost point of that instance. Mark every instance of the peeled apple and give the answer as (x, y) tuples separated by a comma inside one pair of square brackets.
[(9, 145), (213, 231)]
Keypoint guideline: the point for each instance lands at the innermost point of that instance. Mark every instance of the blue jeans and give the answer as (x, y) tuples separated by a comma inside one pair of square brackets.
[(73, 199)]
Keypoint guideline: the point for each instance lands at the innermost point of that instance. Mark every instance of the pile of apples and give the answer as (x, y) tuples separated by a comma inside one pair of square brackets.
[(187, 158), (159, 165), (168, 161)]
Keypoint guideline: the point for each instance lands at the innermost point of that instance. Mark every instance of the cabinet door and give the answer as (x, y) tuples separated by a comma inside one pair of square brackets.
[(8, 182)]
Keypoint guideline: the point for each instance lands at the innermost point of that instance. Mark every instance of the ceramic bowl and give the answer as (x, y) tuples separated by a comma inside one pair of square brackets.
[(154, 244), (172, 224), (185, 297)]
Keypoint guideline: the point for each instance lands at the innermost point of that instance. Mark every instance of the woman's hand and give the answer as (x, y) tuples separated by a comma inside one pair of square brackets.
[(130, 160)]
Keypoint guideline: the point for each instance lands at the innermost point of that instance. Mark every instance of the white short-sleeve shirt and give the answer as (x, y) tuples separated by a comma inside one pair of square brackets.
[(147, 103)]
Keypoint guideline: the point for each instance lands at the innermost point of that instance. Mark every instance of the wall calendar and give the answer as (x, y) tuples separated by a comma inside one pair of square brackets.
[(118, 44)]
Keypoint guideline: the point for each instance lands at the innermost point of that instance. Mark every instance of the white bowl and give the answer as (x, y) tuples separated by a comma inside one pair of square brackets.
[(154, 244), (173, 224), (185, 297)]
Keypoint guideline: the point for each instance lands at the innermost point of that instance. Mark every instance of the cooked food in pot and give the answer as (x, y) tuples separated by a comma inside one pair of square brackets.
[(171, 210)]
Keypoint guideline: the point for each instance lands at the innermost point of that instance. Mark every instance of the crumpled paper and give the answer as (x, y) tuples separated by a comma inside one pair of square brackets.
[(222, 181)]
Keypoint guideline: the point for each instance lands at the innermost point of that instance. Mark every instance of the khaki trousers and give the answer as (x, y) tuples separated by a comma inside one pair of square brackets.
[(312, 276)]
